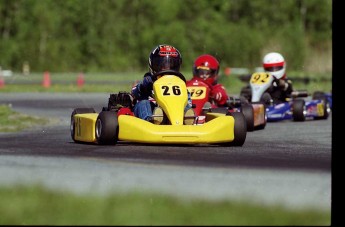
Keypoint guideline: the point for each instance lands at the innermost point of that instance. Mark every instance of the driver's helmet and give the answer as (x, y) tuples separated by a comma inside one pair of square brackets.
[(206, 67), (164, 57), (274, 64)]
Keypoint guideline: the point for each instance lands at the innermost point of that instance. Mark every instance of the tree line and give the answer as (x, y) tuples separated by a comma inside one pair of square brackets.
[(118, 35)]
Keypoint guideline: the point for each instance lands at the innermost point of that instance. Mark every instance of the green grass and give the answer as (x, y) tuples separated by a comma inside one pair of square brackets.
[(11, 121), (38, 206), (114, 82)]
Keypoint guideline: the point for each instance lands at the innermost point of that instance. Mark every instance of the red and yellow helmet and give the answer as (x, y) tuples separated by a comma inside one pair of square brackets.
[(206, 67)]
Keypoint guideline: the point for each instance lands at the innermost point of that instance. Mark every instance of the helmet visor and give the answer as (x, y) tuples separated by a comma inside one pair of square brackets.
[(273, 68), (166, 63), (205, 72)]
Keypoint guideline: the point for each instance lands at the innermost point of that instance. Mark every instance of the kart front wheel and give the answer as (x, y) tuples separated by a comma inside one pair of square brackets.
[(298, 110), (78, 111), (107, 128)]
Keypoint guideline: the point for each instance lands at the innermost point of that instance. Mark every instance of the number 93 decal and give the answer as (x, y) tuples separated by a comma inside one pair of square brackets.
[(260, 78)]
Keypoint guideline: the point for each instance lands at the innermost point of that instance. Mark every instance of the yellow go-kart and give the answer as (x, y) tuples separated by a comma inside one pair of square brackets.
[(170, 124)]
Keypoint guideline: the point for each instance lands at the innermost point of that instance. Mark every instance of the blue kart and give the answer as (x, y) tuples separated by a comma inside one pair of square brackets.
[(299, 107)]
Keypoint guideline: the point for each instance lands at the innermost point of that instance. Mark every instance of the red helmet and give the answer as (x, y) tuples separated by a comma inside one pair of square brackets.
[(206, 67)]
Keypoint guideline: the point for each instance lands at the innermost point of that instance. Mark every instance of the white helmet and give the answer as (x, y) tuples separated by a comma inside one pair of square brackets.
[(274, 64)]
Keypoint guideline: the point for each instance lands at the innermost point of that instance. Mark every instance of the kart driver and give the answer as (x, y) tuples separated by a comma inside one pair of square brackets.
[(162, 57), (274, 63), (206, 68)]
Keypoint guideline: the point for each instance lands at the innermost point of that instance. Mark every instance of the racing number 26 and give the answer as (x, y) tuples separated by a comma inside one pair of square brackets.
[(175, 90)]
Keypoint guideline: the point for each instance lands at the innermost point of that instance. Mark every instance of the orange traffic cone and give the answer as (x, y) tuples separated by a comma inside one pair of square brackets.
[(80, 80), (2, 81), (46, 80), (227, 71)]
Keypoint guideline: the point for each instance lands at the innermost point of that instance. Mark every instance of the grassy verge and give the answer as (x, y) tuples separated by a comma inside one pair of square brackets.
[(11, 121), (38, 206), (68, 88), (114, 82)]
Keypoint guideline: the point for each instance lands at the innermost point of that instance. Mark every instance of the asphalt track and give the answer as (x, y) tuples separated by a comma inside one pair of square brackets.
[(287, 163)]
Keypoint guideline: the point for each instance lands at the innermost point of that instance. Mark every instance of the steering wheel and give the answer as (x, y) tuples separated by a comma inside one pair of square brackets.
[(170, 72)]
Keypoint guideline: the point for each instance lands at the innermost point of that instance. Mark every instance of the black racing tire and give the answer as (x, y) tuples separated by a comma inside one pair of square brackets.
[(221, 110), (318, 95), (107, 128), (326, 108), (244, 100), (266, 99), (78, 111), (298, 108), (248, 112), (246, 94), (240, 129)]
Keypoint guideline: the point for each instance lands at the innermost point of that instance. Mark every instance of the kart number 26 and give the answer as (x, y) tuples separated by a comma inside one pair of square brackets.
[(173, 90)]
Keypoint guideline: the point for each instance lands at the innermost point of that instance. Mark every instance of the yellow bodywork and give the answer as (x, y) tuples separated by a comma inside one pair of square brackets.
[(170, 92), (85, 127), (219, 129)]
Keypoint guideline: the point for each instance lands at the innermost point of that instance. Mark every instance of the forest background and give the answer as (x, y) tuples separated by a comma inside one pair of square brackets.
[(118, 35)]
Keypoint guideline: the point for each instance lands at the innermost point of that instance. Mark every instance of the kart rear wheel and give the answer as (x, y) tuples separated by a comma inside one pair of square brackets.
[(266, 99), (326, 109), (246, 94), (244, 100), (78, 111), (222, 110), (240, 129), (107, 128), (318, 95), (298, 110), (248, 113)]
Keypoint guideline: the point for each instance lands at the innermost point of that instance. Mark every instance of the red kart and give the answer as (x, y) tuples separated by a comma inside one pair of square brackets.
[(255, 114)]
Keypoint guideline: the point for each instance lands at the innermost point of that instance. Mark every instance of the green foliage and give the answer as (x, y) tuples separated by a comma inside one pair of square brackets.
[(106, 35), (38, 206)]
